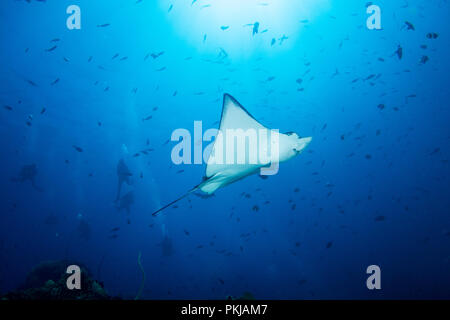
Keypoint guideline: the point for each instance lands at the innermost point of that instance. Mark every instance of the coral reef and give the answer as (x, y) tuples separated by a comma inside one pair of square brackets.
[(47, 281)]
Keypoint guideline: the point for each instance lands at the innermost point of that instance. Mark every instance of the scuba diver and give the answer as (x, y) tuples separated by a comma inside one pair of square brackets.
[(123, 174), (28, 172)]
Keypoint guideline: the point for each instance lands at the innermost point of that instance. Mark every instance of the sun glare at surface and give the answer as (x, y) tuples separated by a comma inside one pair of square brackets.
[(242, 27)]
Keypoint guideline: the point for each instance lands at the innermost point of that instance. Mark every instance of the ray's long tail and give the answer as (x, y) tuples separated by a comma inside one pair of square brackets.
[(176, 200)]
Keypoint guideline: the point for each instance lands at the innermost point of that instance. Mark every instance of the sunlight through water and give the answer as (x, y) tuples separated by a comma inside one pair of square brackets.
[(241, 27)]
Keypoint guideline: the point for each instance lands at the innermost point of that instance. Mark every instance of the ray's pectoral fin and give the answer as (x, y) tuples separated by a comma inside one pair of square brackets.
[(303, 143), (211, 184)]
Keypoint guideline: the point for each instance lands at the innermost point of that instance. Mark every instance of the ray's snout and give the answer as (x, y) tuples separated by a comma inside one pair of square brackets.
[(302, 143)]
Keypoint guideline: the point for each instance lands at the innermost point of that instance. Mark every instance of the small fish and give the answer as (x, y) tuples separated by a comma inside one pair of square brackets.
[(432, 35), (115, 229), (51, 49), (273, 41), (224, 27), (380, 218), (147, 118), (329, 244), (114, 56), (43, 110), (302, 282), (436, 150), (223, 53), (424, 59), (255, 28), (409, 26), (8, 108), (161, 69), (170, 8), (77, 148), (282, 39), (55, 81), (399, 52), (32, 83), (156, 55), (103, 25)]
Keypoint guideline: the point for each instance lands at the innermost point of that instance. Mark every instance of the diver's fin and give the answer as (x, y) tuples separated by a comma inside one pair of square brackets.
[(169, 204), (119, 188)]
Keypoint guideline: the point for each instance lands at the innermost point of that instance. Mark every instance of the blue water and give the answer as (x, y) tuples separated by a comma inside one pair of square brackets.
[(372, 188)]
